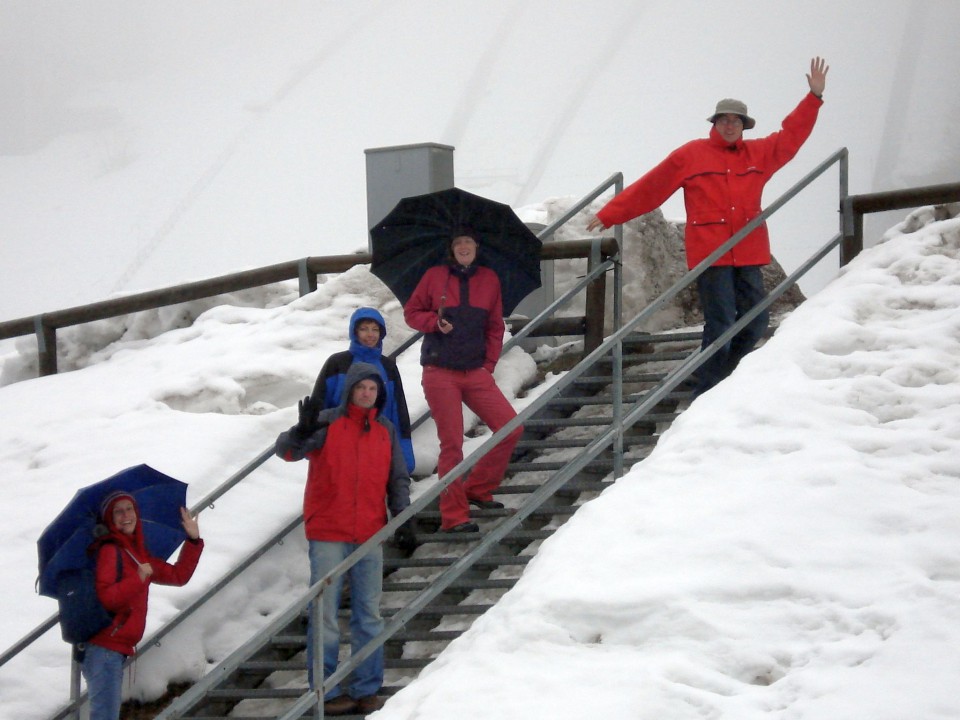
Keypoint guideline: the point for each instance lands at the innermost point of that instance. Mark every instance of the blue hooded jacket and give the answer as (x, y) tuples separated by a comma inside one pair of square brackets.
[(331, 381)]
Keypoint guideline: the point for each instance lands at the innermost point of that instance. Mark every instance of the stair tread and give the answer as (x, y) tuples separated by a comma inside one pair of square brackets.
[(595, 477)]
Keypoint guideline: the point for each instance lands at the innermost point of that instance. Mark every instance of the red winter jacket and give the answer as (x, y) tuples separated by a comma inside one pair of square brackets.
[(722, 187), (355, 465), (477, 336), (128, 597)]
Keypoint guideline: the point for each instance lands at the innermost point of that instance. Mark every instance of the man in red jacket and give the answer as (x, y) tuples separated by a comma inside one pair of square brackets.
[(722, 177), (355, 464)]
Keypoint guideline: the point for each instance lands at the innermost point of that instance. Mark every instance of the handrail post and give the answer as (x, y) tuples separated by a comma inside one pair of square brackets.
[(307, 279), (316, 620), (618, 348), (851, 223), (46, 346), (617, 367), (75, 685), (594, 310)]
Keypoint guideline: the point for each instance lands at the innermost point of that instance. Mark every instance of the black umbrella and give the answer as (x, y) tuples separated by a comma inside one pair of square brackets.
[(415, 235)]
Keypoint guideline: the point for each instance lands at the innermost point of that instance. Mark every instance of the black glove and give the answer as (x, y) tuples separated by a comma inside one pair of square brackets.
[(405, 538), (308, 409)]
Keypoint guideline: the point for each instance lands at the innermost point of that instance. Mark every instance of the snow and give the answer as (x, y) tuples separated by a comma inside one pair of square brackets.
[(137, 135), (790, 548)]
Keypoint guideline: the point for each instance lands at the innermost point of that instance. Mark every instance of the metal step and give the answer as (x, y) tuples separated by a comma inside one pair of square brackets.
[(645, 339), (634, 439), (628, 377), (594, 478), (405, 635), (577, 485), (606, 399), (518, 536), (648, 357), (491, 561), (594, 421), (542, 511), (255, 693), (469, 584)]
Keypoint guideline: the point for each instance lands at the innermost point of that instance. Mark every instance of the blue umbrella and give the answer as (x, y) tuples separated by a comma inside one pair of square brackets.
[(64, 543)]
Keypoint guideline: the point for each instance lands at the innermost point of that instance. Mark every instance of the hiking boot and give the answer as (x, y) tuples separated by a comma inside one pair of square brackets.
[(369, 704), (340, 705), (467, 527), (486, 504)]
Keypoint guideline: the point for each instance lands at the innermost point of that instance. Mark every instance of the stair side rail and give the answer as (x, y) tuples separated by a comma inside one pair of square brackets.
[(597, 251), (310, 700)]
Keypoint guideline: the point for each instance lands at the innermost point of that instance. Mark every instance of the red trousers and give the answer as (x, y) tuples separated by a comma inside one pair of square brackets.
[(445, 392)]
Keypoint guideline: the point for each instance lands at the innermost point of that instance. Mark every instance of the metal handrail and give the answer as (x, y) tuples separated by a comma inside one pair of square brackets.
[(228, 664), (615, 181), (309, 700), (206, 502), (616, 342), (592, 248), (673, 379), (573, 249), (314, 594)]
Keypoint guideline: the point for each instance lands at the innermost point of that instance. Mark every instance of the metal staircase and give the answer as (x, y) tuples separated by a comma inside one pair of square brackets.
[(274, 674), (597, 419), (593, 422)]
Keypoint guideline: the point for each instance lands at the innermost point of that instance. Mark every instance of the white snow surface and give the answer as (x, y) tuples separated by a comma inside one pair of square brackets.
[(145, 144), (789, 550)]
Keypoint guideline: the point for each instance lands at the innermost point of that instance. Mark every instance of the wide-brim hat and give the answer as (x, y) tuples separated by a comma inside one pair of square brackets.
[(729, 106)]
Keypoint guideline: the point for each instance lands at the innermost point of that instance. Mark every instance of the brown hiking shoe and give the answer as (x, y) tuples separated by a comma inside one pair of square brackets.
[(340, 705), (369, 704)]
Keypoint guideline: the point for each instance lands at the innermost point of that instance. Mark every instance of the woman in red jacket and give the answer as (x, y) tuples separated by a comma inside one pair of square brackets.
[(126, 595), (459, 309), (722, 177)]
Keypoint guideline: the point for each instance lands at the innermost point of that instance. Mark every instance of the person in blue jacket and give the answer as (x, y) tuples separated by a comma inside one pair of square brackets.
[(367, 330)]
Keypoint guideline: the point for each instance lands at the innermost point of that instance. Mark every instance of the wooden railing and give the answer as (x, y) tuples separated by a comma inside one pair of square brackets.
[(45, 325), (854, 207)]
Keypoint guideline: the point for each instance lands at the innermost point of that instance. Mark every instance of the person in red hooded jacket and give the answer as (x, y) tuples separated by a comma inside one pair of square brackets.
[(722, 178), (356, 472), (126, 595)]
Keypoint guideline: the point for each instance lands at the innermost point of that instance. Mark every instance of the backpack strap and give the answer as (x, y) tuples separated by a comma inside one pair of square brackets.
[(119, 551)]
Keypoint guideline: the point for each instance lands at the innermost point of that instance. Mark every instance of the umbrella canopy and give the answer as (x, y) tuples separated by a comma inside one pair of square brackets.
[(415, 235), (63, 545)]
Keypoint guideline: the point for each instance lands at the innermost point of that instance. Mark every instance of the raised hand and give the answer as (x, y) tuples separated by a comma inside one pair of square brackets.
[(594, 223), (307, 423), (817, 77), (189, 523)]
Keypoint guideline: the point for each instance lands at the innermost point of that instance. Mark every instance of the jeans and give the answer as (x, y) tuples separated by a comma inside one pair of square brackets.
[(446, 391), (366, 583), (103, 671), (727, 293)]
